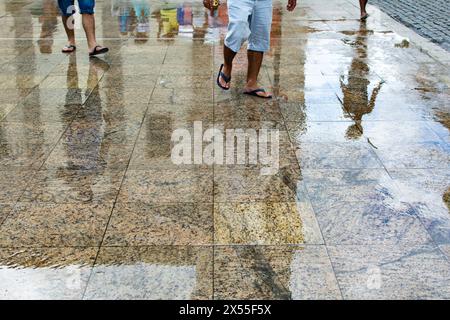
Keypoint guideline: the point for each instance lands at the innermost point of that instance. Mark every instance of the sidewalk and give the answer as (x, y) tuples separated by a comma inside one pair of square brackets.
[(92, 205)]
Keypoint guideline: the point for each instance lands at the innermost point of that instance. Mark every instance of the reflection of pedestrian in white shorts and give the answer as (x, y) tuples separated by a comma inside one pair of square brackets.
[(249, 20)]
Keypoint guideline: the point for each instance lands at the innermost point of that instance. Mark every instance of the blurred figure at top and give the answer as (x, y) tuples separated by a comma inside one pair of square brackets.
[(67, 8)]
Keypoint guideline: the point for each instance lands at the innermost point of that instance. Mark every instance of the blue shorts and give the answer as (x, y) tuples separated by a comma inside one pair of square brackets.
[(67, 7), (249, 20)]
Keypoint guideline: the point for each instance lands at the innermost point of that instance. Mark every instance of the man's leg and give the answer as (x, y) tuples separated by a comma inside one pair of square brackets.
[(255, 59), (238, 32), (259, 42), (88, 18), (362, 5), (228, 57), (67, 8)]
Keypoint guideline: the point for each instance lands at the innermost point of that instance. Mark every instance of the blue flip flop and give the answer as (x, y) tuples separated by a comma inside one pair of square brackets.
[(254, 93), (224, 77)]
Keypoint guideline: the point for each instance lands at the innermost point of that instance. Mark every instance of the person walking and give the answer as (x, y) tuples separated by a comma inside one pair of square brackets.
[(248, 20), (67, 8), (362, 6)]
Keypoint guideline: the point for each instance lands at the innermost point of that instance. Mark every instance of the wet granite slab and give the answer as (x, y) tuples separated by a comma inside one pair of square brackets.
[(49, 225), (391, 272), (45, 273), (139, 223), (152, 273), (280, 273)]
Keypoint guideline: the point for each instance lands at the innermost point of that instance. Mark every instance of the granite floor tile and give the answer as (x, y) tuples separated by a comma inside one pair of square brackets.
[(160, 272), (365, 223), (329, 188), (168, 186), (265, 223), (138, 223), (48, 225), (249, 185), (252, 272), (391, 272), (73, 186), (345, 155), (428, 192), (45, 273)]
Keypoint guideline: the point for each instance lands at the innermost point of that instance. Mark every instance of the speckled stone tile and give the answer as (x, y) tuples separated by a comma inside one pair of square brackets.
[(41, 114), (323, 132), (161, 272), (328, 188), (167, 186), (298, 112), (428, 192), (176, 116), (427, 155), (81, 132), (181, 96), (248, 185), (249, 272), (177, 81), (5, 209), (265, 223), (17, 155), (398, 132), (13, 183), (73, 186), (138, 223), (445, 248), (345, 155), (45, 273), (238, 108), (362, 223), (111, 115), (69, 154), (47, 225), (391, 272)]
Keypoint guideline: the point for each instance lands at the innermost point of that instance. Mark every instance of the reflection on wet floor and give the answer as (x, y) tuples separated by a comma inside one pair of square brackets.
[(91, 205)]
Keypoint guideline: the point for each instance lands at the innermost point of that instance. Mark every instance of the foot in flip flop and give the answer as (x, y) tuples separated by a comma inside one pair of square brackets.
[(223, 81), (98, 50), (69, 48), (364, 16), (260, 93)]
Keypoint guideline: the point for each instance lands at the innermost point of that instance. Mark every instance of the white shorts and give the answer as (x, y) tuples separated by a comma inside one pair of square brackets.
[(249, 20)]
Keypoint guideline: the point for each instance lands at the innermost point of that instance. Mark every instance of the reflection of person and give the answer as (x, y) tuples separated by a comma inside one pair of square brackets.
[(356, 97), (362, 6), (142, 11), (248, 20), (49, 20), (87, 12)]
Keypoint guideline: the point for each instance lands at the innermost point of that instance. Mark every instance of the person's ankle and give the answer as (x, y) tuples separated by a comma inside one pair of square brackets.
[(226, 70)]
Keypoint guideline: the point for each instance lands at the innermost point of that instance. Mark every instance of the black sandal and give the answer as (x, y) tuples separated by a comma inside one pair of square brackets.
[(70, 48), (224, 77), (254, 93), (96, 51)]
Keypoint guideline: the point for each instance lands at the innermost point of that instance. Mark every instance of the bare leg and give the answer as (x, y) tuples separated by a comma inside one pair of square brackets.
[(254, 65), (70, 31), (89, 28), (362, 5), (228, 56)]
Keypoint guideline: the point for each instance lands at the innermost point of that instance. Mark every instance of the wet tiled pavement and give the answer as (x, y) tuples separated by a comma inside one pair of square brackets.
[(92, 206)]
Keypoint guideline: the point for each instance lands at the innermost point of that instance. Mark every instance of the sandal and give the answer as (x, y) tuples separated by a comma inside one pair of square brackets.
[(364, 17), (69, 48), (224, 77), (98, 51), (255, 92)]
